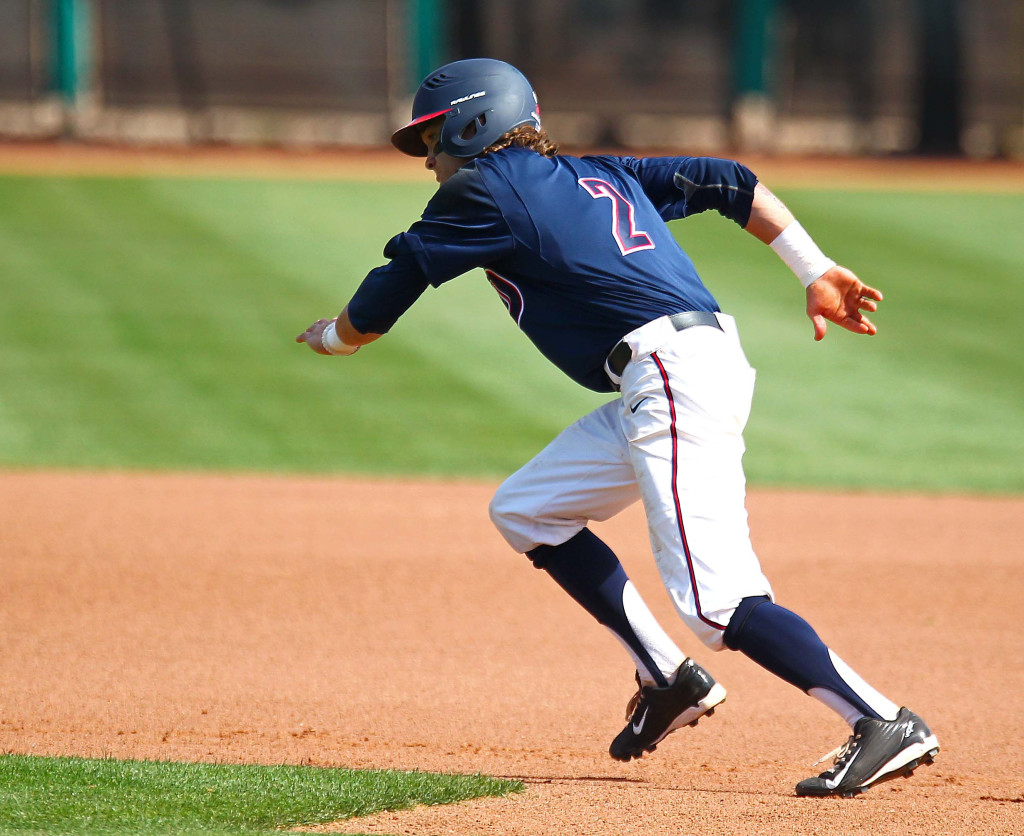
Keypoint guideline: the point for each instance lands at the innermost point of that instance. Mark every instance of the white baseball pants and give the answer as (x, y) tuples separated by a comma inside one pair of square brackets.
[(673, 439)]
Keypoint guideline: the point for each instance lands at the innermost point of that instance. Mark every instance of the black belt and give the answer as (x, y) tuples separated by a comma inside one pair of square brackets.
[(622, 353)]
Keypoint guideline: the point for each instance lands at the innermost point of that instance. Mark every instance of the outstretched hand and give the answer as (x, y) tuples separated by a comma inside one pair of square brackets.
[(313, 336), (839, 297)]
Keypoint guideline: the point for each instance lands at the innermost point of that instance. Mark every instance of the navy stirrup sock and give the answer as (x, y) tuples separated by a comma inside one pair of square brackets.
[(586, 568), (784, 644)]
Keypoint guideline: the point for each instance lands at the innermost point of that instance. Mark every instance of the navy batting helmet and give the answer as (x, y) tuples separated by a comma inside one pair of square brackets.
[(480, 99)]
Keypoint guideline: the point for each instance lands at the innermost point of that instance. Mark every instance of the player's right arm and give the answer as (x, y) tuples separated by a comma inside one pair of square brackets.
[(684, 186), (834, 294)]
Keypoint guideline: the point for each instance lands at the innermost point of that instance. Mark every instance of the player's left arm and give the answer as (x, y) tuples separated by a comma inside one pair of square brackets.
[(461, 228), (381, 298), (834, 294), (335, 336)]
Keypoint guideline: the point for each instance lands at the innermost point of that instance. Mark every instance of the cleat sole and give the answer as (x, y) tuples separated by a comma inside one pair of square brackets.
[(905, 771), (707, 713)]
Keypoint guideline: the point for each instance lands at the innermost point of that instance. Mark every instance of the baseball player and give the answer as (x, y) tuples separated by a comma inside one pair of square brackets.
[(579, 252)]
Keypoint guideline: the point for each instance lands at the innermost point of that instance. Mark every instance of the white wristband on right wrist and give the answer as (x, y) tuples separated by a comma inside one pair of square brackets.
[(801, 255), (332, 343)]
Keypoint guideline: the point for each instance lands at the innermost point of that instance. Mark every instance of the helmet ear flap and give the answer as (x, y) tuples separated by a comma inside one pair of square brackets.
[(463, 132), (474, 127)]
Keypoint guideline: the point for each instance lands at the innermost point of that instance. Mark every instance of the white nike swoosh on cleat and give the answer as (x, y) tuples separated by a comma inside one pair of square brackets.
[(639, 727), (832, 783)]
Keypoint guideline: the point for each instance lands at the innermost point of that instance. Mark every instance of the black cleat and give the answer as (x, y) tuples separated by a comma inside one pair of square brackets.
[(654, 712), (878, 750)]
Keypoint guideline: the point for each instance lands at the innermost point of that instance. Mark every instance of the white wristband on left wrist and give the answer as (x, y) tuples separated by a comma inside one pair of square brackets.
[(332, 343)]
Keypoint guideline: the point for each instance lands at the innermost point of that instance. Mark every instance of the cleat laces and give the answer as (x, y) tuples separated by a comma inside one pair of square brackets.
[(840, 753), (634, 701)]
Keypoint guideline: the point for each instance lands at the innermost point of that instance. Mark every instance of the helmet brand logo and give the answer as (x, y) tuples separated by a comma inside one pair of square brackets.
[(467, 98)]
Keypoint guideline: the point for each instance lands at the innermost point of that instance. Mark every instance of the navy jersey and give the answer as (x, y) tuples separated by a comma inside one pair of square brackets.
[(577, 248)]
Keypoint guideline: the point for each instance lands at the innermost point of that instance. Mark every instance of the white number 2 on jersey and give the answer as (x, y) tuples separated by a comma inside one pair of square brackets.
[(624, 231)]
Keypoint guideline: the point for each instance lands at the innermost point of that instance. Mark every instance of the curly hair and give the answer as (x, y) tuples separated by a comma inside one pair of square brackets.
[(525, 136)]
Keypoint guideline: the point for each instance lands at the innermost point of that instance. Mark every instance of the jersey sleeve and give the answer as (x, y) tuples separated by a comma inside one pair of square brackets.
[(385, 294), (460, 229), (684, 186)]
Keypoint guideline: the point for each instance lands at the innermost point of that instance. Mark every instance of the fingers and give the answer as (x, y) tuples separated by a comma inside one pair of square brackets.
[(867, 301), (311, 336), (870, 293), (860, 325), (857, 323), (820, 327), (852, 320), (840, 297)]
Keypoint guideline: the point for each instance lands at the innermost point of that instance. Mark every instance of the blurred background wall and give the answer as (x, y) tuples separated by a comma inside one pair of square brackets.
[(778, 76)]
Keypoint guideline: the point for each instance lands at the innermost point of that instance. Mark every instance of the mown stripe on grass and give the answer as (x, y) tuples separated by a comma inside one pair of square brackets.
[(150, 323)]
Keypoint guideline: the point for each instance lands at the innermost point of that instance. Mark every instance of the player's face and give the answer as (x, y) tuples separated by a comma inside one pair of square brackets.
[(438, 161)]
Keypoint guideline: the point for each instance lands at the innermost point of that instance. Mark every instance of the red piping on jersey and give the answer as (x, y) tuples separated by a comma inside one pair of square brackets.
[(517, 315), (675, 494)]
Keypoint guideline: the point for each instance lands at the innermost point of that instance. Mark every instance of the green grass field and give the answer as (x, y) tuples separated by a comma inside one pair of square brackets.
[(149, 323), (75, 796)]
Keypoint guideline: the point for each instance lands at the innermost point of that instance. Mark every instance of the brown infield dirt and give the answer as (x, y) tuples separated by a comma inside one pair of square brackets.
[(366, 623), (374, 164)]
